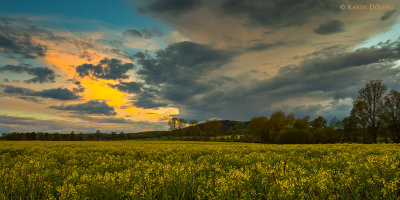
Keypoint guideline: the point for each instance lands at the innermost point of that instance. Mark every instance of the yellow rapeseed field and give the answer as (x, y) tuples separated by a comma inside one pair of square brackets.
[(197, 170)]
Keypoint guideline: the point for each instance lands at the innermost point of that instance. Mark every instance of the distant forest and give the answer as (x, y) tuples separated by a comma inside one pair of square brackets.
[(375, 117)]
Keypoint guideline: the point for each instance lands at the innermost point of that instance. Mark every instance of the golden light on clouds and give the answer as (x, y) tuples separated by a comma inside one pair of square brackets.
[(67, 57)]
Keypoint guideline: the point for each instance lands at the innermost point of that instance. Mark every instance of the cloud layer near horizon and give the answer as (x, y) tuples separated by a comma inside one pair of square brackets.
[(227, 58)]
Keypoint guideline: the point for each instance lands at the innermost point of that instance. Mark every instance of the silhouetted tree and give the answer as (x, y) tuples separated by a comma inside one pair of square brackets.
[(180, 127), (277, 122), (259, 127), (80, 137), (98, 134), (71, 136), (212, 127), (122, 136), (350, 129), (303, 123), (173, 126), (318, 123), (391, 114), (194, 128), (370, 98)]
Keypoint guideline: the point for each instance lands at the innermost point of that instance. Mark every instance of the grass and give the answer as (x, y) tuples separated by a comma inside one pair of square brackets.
[(197, 170)]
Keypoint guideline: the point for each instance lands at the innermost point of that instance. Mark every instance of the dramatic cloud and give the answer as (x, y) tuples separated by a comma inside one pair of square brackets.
[(266, 46), (277, 13), (181, 63), (174, 7), (324, 85), (387, 15), (149, 99), (107, 69), (57, 93), (330, 27), (268, 13), (106, 124), (18, 40), (129, 87), (90, 107), (42, 74), (144, 33), (178, 72)]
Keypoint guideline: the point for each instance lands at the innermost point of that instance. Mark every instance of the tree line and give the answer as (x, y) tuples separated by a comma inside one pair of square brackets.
[(374, 117), (98, 135)]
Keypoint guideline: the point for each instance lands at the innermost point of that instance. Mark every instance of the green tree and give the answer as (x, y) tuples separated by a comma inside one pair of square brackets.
[(318, 123), (303, 123), (259, 129), (79, 137), (181, 127), (98, 134), (371, 98), (391, 114), (350, 129), (122, 136), (212, 127), (277, 122), (114, 136), (194, 128), (173, 126), (72, 136)]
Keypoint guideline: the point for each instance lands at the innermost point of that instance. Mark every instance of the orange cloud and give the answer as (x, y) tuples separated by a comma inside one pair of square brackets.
[(67, 55)]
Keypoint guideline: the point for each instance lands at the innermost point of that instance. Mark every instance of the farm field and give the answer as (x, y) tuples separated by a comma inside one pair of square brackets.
[(197, 170)]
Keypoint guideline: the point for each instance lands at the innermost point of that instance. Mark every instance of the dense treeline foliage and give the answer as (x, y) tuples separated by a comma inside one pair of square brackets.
[(80, 137), (375, 117)]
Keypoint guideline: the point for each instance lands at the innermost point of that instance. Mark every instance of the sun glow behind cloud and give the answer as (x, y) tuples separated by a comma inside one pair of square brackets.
[(66, 57)]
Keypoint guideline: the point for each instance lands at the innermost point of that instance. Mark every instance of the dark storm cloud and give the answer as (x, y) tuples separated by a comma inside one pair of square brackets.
[(41, 74), (266, 46), (332, 73), (173, 7), (143, 33), (387, 15), (129, 87), (90, 107), (8, 89), (181, 63), (336, 77), (268, 13), (56, 93), (277, 13), (149, 99), (16, 38), (107, 69), (330, 27), (178, 72)]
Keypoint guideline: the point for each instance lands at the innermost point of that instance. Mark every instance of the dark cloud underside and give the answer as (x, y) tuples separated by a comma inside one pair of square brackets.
[(56, 93), (129, 87), (330, 27), (107, 69), (90, 107), (177, 72), (143, 33), (41, 74)]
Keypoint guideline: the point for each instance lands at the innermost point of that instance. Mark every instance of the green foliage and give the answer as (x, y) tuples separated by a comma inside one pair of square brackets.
[(294, 136)]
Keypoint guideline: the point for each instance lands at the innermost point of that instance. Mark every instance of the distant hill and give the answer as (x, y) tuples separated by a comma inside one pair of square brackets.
[(229, 127)]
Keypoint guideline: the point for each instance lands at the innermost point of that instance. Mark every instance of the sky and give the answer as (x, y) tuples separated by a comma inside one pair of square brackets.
[(129, 65)]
